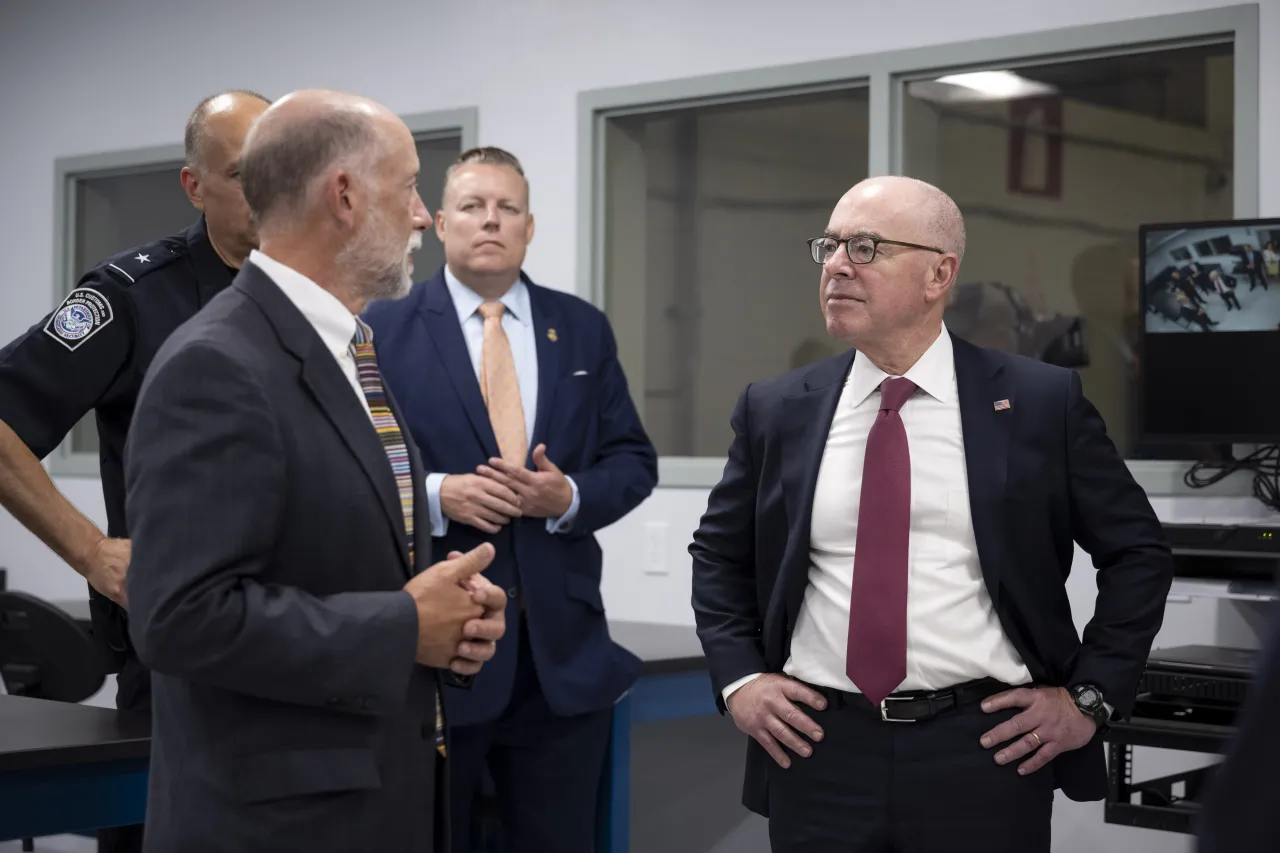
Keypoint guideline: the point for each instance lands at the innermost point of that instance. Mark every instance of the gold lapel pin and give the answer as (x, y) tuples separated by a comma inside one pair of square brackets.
[(552, 336)]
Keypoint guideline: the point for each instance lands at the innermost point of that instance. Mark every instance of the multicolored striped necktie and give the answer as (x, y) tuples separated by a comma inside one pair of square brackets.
[(388, 428), (385, 423)]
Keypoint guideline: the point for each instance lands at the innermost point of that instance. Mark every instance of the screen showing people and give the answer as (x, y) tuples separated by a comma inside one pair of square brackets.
[(1210, 310), (1213, 278)]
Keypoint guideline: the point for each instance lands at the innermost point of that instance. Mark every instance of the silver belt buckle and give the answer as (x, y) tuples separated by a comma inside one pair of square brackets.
[(884, 708)]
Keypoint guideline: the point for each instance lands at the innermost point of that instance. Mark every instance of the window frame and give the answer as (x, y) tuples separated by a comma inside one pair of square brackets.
[(462, 122), (68, 172), (886, 75)]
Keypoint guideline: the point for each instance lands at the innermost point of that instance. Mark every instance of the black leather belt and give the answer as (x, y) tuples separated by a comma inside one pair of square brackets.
[(916, 706)]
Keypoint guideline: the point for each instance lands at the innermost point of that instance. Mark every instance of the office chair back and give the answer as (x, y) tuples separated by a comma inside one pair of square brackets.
[(44, 654)]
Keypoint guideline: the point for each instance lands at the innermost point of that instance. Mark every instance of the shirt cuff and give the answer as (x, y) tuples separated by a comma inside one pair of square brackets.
[(439, 524), (564, 522), (741, 682)]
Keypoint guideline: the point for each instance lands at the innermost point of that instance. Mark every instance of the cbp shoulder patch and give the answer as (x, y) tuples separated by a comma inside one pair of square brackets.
[(81, 315)]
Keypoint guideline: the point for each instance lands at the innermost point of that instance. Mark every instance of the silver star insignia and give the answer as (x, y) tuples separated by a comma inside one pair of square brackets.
[(142, 259)]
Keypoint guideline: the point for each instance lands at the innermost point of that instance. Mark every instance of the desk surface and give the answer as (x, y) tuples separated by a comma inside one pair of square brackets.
[(77, 609), (36, 733), (663, 648)]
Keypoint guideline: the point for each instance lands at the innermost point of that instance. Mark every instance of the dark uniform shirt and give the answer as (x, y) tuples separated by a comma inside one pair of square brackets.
[(90, 354)]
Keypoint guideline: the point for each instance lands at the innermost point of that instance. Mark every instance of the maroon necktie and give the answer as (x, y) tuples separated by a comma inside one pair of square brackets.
[(877, 661)]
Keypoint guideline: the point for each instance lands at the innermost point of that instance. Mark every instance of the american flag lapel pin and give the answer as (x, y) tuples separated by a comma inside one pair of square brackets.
[(1001, 405)]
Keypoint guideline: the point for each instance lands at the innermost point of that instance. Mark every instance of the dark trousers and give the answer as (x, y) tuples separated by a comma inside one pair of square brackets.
[(872, 786), (546, 770), (1229, 297), (133, 693)]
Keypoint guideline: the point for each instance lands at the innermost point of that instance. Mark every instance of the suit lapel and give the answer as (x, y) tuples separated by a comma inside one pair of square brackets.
[(324, 378), (445, 333), (547, 330), (981, 382), (805, 422)]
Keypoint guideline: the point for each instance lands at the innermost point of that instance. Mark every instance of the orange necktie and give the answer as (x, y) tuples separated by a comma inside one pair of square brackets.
[(501, 387)]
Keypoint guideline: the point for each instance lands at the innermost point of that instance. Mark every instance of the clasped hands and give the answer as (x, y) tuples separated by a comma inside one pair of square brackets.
[(1049, 724), (461, 615), (500, 491)]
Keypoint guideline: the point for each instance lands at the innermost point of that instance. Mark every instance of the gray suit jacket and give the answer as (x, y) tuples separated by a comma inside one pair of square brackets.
[(1241, 813), (265, 591)]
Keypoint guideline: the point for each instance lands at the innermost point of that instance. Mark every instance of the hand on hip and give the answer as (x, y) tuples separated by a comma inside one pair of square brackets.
[(766, 709), (1049, 725)]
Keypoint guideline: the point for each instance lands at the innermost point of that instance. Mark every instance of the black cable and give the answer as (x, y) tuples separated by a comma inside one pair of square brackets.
[(1263, 462)]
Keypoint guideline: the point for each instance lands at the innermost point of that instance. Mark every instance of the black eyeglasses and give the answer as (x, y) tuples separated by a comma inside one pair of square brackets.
[(861, 250)]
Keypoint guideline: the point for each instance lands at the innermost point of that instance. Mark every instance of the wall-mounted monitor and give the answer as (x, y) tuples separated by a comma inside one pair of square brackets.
[(1210, 331)]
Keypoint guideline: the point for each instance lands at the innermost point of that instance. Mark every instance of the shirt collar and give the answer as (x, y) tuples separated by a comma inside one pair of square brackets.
[(934, 373), (467, 301), (332, 321)]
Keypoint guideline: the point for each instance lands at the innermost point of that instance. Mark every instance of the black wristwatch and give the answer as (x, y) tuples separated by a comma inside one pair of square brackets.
[(1088, 698)]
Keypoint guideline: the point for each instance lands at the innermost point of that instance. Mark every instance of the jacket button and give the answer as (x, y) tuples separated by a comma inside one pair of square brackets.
[(512, 593)]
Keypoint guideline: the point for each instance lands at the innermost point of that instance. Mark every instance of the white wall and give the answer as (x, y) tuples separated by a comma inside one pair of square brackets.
[(82, 78), (762, 179), (79, 78)]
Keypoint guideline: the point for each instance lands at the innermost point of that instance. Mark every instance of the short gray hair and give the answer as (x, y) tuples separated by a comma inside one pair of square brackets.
[(942, 216), (195, 141), (948, 223), (488, 155), (279, 165)]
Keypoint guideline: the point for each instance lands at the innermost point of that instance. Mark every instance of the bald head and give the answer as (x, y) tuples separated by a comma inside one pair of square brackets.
[(305, 136), (886, 293), (218, 119), (332, 181), (932, 211), (215, 134)]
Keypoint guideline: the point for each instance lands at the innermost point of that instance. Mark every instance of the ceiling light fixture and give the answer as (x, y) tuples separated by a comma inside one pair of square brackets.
[(978, 86)]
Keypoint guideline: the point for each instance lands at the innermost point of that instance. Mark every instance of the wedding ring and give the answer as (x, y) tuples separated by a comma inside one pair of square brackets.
[(1037, 737)]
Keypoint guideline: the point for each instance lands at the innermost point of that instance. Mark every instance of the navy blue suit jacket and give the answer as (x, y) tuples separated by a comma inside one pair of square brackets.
[(592, 433), (1042, 476)]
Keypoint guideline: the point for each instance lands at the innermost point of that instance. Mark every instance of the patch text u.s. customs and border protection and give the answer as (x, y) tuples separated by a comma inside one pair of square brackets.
[(83, 314)]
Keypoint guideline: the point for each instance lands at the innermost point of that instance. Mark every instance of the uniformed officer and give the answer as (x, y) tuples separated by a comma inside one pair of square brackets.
[(92, 352)]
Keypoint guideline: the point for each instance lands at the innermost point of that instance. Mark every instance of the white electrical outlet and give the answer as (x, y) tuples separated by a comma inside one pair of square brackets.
[(655, 548)]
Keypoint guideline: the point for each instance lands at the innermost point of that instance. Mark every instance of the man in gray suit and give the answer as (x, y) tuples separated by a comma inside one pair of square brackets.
[(1241, 813), (281, 585)]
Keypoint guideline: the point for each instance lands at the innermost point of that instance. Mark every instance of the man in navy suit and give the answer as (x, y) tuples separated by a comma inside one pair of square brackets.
[(879, 578), (515, 397)]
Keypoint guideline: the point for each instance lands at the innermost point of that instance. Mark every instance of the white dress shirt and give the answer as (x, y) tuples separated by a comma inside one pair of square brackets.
[(517, 324), (335, 325), (953, 634)]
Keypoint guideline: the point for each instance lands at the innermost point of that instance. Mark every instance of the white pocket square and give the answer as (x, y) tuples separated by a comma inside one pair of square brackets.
[(580, 373)]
